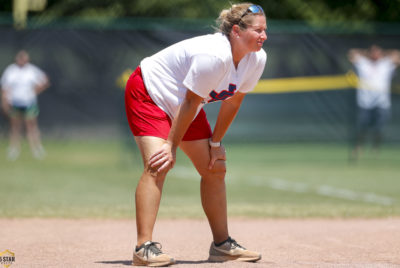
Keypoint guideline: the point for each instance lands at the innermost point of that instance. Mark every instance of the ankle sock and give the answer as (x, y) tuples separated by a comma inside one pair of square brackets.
[(223, 242)]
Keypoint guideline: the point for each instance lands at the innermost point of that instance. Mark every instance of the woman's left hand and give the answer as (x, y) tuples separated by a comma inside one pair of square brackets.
[(216, 153)]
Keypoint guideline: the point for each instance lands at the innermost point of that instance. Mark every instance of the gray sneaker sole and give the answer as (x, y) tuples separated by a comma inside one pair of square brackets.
[(225, 258), (140, 262)]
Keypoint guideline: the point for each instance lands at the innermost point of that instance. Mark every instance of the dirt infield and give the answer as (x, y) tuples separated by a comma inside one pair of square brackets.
[(283, 243)]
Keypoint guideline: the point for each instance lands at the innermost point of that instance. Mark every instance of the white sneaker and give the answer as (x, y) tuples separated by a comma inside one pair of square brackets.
[(149, 254), (13, 153), (39, 153), (230, 250)]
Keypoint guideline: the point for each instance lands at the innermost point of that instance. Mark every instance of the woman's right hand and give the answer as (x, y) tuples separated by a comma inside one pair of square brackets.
[(164, 158)]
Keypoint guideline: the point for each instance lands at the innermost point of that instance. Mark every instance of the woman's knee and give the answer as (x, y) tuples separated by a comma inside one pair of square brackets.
[(152, 172), (31, 125), (217, 171)]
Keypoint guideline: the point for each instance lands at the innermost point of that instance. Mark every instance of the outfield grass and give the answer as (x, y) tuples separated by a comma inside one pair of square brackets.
[(97, 179)]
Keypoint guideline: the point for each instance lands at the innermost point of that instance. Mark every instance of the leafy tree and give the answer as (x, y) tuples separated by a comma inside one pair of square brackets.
[(314, 11)]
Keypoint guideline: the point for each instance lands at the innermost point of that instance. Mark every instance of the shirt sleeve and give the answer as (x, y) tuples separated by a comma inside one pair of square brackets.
[(254, 73), (390, 64), (204, 75), (360, 61), (4, 79), (40, 76)]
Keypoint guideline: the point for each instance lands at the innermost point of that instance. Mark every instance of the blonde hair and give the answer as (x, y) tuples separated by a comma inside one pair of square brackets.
[(234, 16)]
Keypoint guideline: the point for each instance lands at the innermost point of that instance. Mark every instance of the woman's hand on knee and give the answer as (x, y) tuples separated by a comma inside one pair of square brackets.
[(164, 158), (216, 153)]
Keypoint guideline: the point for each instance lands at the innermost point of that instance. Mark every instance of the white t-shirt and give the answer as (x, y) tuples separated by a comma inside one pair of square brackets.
[(374, 82), (202, 64), (20, 83)]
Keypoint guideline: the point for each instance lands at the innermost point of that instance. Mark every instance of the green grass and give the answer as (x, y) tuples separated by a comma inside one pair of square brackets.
[(97, 179)]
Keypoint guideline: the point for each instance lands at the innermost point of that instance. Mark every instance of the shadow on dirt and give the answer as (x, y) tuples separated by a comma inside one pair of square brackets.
[(129, 262)]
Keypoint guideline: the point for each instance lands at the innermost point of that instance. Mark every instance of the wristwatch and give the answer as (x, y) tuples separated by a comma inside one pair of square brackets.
[(214, 144)]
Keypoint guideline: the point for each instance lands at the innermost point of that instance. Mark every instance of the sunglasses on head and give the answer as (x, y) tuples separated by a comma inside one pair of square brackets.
[(254, 9)]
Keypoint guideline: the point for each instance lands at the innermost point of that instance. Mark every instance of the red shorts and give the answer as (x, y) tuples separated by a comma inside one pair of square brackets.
[(147, 119)]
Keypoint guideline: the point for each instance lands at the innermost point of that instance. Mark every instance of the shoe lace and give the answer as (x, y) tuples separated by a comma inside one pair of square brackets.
[(152, 247), (234, 244)]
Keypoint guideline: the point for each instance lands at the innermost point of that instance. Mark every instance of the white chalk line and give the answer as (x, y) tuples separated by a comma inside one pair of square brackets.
[(297, 187), (325, 190)]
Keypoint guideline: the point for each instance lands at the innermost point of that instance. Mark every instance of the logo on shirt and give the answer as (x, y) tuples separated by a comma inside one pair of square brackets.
[(223, 94)]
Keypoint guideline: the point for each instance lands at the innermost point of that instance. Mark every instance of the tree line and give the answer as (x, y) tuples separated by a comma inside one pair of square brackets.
[(313, 11)]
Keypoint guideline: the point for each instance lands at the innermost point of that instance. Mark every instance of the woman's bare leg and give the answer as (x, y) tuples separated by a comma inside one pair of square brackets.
[(15, 137), (33, 135), (148, 190), (212, 186)]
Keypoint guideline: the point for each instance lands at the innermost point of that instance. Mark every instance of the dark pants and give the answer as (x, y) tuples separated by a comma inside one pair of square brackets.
[(372, 120)]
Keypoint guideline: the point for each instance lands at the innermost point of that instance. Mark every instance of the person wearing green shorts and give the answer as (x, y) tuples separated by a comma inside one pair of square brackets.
[(21, 82), (29, 112)]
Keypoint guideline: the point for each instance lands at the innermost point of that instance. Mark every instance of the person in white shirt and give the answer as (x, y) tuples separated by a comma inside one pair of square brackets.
[(164, 99), (375, 68), (21, 82)]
